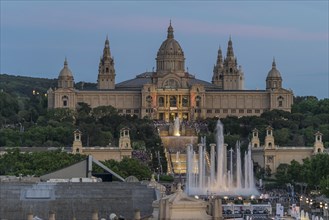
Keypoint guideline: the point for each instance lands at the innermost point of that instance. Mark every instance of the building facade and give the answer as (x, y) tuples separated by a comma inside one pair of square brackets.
[(170, 91), (270, 156)]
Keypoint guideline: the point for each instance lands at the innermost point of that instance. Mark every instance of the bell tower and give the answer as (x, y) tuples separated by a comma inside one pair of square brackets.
[(106, 71), (255, 139), (77, 144), (318, 144), (269, 138), (124, 141), (233, 77)]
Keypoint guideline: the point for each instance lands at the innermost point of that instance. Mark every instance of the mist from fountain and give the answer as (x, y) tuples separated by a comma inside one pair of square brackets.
[(176, 127), (206, 180)]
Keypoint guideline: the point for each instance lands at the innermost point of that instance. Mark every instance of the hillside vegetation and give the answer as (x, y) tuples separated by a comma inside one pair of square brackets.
[(26, 121)]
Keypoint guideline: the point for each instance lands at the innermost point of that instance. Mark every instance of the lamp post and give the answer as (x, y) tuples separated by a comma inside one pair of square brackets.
[(325, 211)]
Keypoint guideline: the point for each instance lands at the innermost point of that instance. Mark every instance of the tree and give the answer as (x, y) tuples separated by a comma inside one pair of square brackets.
[(294, 171), (324, 185), (129, 167), (282, 136), (282, 175)]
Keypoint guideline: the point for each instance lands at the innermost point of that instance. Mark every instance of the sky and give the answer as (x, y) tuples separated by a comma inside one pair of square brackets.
[(36, 36)]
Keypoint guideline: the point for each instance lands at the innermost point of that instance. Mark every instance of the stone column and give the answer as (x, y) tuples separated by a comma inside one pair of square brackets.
[(217, 209), (30, 216), (51, 215), (137, 215), (95, 215)]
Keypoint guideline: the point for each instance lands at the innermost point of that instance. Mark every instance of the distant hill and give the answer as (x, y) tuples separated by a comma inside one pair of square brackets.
[(24, 86)]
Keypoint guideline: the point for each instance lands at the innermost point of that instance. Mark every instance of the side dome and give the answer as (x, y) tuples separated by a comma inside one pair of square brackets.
[(65, 78), (170, 56), (273, 79), (65, 72), (274, 73)]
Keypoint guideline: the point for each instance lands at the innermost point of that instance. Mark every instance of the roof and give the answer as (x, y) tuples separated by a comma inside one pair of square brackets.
[(146, 77)]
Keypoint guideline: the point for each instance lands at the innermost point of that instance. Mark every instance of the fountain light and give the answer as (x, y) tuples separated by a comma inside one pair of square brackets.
[(222, 179)]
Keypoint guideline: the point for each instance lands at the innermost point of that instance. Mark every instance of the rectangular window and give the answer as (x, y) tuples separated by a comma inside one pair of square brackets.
[(217, 110), (225, 111), (249, 111), (241, 111), (120, 111), (128, 111), (149, 110), (257, 111), (161, 101), (233, 111), (136, 110), (209, 111), (185, 102)]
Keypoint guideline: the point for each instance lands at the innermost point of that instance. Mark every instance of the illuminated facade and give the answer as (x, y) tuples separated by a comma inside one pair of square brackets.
[(170, 91)]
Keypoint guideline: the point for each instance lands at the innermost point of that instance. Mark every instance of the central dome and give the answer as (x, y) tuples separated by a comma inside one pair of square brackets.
[(170, 56)]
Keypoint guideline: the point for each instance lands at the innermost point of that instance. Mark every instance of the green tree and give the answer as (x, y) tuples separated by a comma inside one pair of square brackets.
[(324, 185), (282, 175)]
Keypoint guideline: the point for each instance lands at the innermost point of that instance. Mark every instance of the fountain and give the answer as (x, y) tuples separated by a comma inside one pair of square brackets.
[(176, 127), (223, 180)]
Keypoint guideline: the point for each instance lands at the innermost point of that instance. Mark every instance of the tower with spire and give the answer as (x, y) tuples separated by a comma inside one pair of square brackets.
[(227, 74), (106, 71), (217, 77)]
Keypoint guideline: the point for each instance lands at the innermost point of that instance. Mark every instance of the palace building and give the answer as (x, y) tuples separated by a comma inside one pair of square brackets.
[(170, 91)]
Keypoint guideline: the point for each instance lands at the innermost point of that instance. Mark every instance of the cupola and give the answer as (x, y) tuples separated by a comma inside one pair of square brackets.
[(65, 78), (170, 56), (274, 79)]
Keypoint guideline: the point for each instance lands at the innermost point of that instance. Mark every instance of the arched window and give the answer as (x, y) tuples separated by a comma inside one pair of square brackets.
[(173, 101), (149, 100), (161, 101), (280, 101), (65, 101), (255, 145), (185, 101), (170, 83), (198, 101)]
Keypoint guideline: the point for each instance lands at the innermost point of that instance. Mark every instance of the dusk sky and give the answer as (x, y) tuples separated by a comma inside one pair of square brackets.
[(36, 36)]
